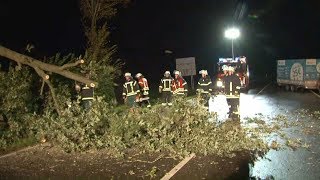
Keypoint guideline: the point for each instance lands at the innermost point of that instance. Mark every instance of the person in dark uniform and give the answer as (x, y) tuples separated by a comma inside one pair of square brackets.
[(232, 86), (86, 93), (204, 88), (166, 88), (131, 91)]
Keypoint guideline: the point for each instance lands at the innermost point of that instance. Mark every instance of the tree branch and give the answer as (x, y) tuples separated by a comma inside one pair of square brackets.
[(45, 78), (69, 65), (42, 87), (23, 59)]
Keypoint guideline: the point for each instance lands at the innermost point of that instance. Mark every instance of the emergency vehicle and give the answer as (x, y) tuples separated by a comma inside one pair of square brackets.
[(241, 69)]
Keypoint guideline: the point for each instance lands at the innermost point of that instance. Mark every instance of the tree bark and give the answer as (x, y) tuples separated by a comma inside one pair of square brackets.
[(34, 63)]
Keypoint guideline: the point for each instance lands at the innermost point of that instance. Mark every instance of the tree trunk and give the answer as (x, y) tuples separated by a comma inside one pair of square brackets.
[(23, 59)]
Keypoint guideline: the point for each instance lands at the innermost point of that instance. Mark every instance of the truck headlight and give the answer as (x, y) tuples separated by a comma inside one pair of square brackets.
[(219, 84)]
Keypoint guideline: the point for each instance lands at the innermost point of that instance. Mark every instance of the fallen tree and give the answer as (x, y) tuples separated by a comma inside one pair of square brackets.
[(42, 70)]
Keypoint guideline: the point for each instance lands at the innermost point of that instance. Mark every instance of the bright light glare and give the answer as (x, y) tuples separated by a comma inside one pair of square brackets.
[(232, 33)]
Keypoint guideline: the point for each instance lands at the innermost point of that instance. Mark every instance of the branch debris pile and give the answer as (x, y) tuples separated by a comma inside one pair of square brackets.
[(178, 131)]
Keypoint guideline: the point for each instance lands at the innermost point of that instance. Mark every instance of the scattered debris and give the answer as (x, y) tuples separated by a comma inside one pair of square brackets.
[(274, 145), (153, 172)]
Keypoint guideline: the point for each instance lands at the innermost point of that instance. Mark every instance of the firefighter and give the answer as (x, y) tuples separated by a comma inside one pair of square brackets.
[(86, 93), (225, 69), (144, 90), (232, 86), (131, 91), (166, 88), (204, 88), (180, 84)]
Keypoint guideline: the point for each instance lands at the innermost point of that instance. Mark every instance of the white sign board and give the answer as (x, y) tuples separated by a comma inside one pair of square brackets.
[(187, 66)]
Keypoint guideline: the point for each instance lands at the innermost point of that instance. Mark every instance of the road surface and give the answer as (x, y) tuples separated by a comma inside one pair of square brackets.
[(287, 164)]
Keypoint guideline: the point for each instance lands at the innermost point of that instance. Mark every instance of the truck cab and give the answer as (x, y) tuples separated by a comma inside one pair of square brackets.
[(241, 70)]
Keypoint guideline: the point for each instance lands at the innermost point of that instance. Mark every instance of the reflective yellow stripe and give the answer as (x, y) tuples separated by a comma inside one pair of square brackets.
[(87, 98), (232, 97), (131, 94), (205, 84)]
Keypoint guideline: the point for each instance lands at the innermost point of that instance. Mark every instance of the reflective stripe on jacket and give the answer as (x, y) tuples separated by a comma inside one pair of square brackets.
[(232, 84), (87, 93), (130, 88), (204, 85), (167, 84)]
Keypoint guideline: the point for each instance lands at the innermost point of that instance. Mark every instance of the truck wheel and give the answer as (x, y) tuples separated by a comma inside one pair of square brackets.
[(293, 88)]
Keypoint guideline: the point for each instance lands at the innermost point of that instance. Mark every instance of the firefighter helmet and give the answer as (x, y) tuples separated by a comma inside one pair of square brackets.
[(225, 68), (176, 72), (231, 68), (203, 72), (138, 75), (127, 74)]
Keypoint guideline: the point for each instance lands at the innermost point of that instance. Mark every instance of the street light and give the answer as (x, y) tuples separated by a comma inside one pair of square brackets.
[(232, 33)]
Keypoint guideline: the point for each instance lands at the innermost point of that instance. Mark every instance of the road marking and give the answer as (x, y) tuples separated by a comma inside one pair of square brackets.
[(315, 93), (178, 167), (261, 90)]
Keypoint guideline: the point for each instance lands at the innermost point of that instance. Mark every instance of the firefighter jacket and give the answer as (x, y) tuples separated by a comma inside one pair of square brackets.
[(204, 85), (167, 84), (144, 88), (232, 84), (87, 92), (130, 88), (181, 86)]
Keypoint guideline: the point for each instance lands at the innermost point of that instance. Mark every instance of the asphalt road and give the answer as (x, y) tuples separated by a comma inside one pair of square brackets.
[(291, 164)]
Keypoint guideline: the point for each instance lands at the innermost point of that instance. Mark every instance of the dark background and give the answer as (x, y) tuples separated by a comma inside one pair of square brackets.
[(270, 30)]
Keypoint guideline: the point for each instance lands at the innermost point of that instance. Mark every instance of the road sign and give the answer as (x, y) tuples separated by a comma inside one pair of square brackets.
[(187, 66)]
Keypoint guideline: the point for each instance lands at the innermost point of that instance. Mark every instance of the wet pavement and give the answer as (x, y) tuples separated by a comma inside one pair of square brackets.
[(286, 163)]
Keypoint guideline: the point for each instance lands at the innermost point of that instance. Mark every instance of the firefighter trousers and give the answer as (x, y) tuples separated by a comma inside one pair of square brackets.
[(166, 97), (234, 107)]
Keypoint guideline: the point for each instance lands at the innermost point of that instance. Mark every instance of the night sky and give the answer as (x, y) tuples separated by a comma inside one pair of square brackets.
[(270, 30)]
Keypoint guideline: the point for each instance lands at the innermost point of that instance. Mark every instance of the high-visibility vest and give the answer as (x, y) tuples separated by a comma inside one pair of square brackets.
[(166, 84), (130, 88), (87, 93)]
